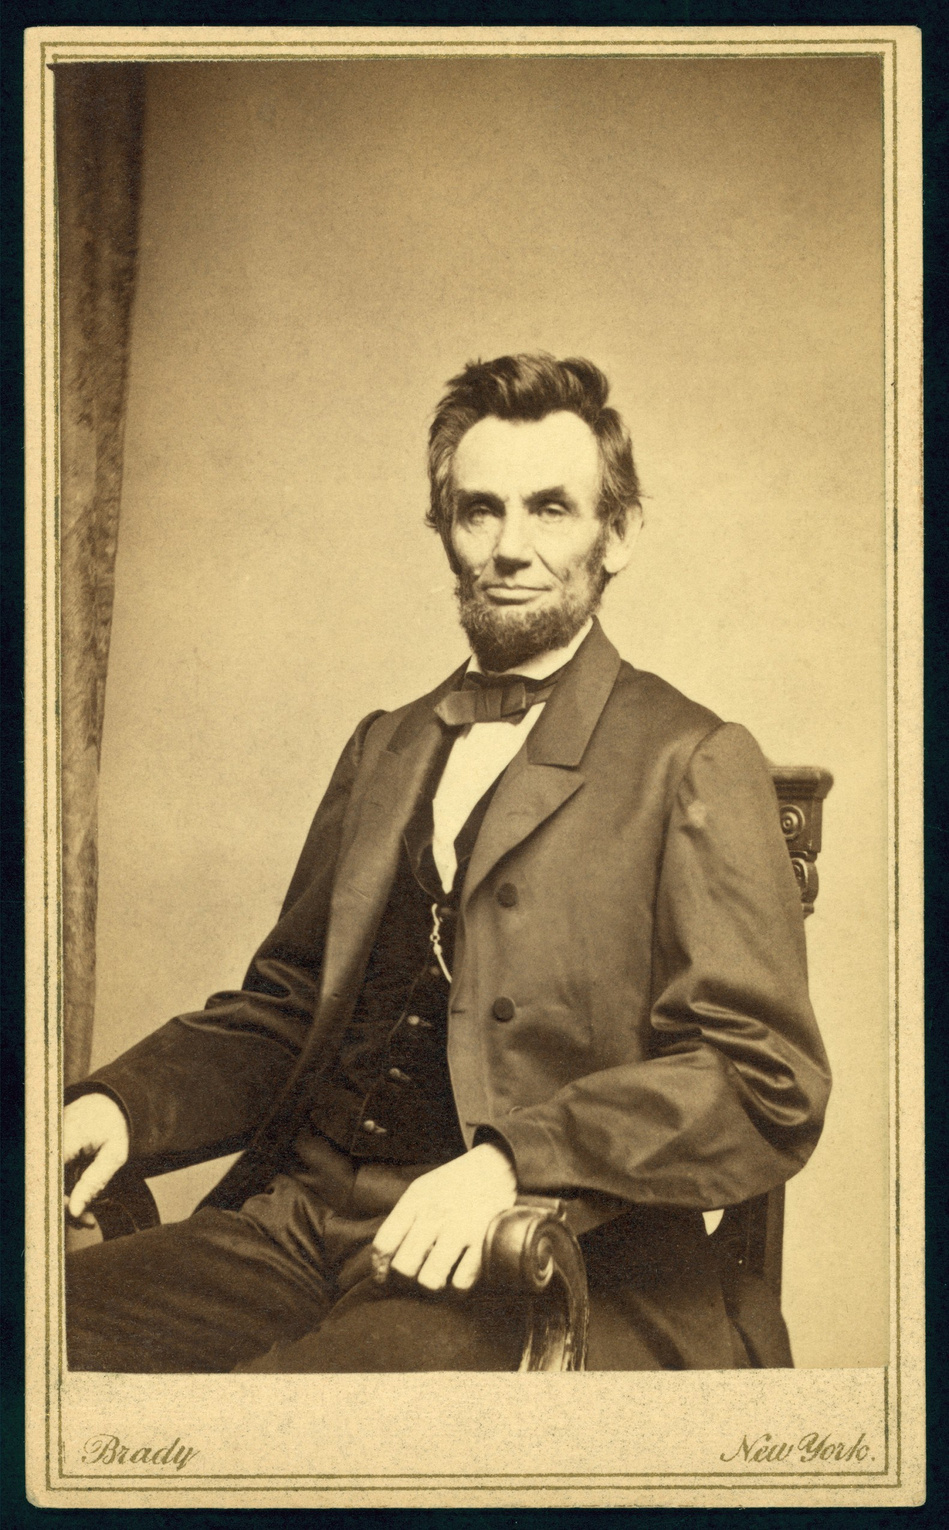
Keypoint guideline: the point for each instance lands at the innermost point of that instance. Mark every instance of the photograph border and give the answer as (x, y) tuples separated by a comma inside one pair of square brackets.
[(900, 1479)]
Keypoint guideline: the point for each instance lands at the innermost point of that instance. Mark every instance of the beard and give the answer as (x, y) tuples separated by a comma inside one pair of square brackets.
[(502, 638)]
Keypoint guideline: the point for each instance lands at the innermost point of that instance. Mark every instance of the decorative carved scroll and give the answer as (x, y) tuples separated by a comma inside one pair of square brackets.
[(801, 790), (530, 1250)]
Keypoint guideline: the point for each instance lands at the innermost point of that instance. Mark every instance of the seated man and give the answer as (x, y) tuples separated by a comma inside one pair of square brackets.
[(543, 936)]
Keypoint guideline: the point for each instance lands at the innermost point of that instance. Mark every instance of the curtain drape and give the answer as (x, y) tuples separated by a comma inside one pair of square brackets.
[(99, 121)]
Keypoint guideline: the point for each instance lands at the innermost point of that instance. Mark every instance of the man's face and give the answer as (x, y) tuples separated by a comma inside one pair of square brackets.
[(527, 539)]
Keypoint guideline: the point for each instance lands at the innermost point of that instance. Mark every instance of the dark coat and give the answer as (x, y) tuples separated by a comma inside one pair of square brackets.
[(631, 1016)]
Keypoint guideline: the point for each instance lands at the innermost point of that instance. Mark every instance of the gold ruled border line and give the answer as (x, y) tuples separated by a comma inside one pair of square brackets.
[(483, 1485), (47, 1093), (339, 58), (896, 768), (354, 52), (619, 46), (551, 52), (553, 1478), (57, 606), (52, 1030)]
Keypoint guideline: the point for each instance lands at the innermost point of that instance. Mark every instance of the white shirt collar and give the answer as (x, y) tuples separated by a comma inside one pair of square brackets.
[(545, 663)]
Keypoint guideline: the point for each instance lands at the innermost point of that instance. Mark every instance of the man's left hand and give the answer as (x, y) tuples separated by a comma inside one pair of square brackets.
[(438, 1226)]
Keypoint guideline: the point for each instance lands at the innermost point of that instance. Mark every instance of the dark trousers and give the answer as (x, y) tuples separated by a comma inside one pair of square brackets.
[(284, 1285)]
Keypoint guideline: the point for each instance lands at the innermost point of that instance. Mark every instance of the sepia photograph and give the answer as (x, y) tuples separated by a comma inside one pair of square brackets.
[(473, 661)]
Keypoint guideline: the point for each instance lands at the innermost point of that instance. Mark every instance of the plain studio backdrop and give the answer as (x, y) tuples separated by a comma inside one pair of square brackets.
[(322, 245)]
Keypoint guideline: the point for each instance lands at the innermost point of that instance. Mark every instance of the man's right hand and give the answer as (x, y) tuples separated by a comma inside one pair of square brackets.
[(93, 1126)]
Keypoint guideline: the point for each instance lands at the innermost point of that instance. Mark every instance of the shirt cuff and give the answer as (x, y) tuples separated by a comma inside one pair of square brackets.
[(92, 1086)]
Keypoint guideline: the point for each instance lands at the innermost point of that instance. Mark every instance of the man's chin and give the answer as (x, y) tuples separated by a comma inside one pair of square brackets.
[(502, 637)]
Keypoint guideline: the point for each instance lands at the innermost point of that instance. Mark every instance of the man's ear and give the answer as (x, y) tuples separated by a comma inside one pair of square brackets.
[(621, 539)]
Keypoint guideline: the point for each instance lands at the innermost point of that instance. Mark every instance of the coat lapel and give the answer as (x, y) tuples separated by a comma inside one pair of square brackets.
[(546, 773), (369, 861)]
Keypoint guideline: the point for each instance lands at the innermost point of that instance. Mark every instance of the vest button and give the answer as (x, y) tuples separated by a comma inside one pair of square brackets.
[(503, 1009), (413, 1020), (374, 1129), (507, 895)]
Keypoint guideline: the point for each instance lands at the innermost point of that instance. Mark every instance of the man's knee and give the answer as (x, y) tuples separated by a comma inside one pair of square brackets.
[(378, 1328), (195, 1296)]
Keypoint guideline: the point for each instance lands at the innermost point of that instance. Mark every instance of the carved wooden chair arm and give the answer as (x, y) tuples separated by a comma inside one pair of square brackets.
[(531, 1251)]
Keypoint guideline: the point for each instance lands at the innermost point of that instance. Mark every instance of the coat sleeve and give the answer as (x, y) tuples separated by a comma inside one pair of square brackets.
[(728, 1100), (198, 1086)]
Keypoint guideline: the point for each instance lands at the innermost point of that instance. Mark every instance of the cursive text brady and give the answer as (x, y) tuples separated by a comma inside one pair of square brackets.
[(109, 1450)]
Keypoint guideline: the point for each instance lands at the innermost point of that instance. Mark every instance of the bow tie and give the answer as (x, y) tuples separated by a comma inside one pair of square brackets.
[(493, 698)]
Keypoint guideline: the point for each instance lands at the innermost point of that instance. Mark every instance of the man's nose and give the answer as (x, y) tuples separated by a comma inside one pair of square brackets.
[(513, 546)]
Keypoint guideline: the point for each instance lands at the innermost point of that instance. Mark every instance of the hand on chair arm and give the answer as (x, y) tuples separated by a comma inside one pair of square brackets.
[(94, 1126), (439, 1224)]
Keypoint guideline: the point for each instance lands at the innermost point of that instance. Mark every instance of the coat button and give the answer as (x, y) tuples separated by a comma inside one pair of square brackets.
[(399, 1076), (503, 1009), (374, 1129), (507, 895), (413, 1020)]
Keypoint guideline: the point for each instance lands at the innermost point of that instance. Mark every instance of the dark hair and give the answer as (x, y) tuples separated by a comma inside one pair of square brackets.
[(529, 387)]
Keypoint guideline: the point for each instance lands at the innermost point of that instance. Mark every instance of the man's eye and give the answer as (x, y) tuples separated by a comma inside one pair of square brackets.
[(553, 509)]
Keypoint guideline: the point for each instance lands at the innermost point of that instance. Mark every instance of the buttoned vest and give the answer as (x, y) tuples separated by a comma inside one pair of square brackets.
[(388, 1096)]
